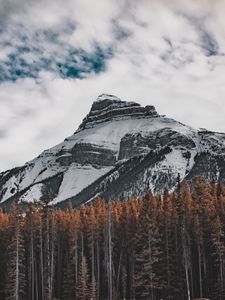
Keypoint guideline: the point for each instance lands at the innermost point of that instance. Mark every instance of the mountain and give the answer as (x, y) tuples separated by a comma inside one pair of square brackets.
[(119, 149)]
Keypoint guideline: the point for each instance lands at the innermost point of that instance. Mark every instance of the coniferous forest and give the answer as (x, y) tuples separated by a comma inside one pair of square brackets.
[(157, 247)]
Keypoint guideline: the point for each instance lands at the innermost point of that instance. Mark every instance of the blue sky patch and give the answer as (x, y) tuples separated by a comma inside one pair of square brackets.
[(76, 63)]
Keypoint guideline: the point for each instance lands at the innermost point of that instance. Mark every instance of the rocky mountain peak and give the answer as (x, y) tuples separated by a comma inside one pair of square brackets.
[(109, 107), (120, 148)]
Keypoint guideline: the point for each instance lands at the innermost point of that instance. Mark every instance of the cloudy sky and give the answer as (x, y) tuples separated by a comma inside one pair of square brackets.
[(57, 56)]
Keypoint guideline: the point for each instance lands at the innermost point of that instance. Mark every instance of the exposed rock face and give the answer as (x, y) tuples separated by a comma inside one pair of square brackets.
[(108, 107), (119, 149), (87, 153)]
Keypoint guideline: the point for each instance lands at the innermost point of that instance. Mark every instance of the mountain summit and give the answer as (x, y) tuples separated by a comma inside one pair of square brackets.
[(109, 107), (119, 149)]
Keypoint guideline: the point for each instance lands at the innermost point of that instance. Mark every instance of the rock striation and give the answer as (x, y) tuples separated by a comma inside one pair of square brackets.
[(108, 108)]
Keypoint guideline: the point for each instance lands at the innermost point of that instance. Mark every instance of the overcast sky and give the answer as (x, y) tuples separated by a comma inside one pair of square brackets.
[(57, 56)]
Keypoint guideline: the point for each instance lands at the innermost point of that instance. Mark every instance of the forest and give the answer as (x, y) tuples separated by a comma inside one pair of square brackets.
[(169, 246)]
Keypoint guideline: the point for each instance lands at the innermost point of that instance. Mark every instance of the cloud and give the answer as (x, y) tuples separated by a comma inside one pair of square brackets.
[(57, 56)]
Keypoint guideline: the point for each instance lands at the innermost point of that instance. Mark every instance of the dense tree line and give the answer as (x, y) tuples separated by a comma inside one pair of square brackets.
[(156, 247)]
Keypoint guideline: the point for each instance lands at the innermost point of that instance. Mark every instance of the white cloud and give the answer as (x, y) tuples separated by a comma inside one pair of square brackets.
[(160, 60)]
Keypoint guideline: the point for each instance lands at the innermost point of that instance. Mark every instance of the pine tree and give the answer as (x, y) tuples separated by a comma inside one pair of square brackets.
[(83, 286), (16, 273), (101, 221), (218, 258), (48, 251), (168, 246), (70, 278), (204, 209), (91, 238), (147, 255), (31, 236), (4, 231), (184, 221), (198, 237), (109, 250)]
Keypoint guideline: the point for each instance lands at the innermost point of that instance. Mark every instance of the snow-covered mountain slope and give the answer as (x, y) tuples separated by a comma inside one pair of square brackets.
[(119, 149)]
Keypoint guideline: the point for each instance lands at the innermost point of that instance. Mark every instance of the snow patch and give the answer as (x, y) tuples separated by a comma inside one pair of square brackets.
[(103, 97), (76, 178), (33, 194)]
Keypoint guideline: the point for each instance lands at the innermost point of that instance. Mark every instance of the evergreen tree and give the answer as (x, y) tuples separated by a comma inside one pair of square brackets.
[(16, 287), (168, 246), (83, 286), (91, 240), (70, 278), (147, 255), (185, 240), (48, 249), (218, 259), (4, 231)]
